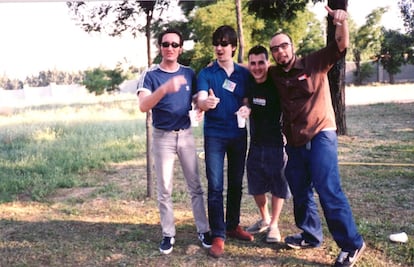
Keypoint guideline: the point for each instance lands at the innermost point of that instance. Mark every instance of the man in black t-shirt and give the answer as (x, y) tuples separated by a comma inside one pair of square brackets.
[(266, 158)]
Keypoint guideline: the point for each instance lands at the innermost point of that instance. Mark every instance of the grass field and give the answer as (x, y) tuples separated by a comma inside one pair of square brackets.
[(73, 192)]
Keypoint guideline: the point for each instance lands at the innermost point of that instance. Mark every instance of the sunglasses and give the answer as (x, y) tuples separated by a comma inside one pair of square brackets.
[(221, 43), (167, 44), (283, 46)]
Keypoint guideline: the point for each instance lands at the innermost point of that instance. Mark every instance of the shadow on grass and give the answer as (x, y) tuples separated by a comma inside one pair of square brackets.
[(78, 243)]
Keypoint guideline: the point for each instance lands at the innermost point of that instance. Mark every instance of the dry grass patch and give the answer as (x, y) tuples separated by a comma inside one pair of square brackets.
[(107, 220)]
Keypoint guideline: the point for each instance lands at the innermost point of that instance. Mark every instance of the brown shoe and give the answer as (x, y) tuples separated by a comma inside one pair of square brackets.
[(239, 233), (217, 247)]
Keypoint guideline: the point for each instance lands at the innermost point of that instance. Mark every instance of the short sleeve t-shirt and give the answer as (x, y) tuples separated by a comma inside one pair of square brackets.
[(171, 112), (266, 114)]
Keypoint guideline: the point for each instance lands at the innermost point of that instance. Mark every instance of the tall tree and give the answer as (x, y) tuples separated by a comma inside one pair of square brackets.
[(116, 18), (366, 41), (336, 75), (240, 31), (204, 25), (396, 50), (407, 10)]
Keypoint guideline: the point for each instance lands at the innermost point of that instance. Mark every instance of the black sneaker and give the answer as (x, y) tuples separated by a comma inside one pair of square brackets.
[(205, 239), (348, 259), (167, 244), (298, 242)]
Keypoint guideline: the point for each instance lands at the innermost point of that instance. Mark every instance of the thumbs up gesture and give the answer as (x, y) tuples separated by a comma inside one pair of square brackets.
[(212, 100)]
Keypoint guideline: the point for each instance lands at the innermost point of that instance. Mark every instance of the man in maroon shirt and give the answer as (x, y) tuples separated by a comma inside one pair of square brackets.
[(310, 129)]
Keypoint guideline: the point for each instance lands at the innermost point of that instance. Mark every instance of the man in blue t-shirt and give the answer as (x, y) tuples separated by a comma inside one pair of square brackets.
[(168, 89), (221, 91)]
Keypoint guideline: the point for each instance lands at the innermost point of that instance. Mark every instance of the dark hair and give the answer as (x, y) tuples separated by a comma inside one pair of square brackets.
[(227, 33), (257, 50), (161, 35)]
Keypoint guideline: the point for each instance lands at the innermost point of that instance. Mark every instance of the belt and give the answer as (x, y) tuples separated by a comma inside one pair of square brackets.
[(178, 130)]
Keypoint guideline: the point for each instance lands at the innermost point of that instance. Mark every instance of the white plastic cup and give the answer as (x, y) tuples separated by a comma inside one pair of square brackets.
[(399, 237), (241, 121), (193, 118)]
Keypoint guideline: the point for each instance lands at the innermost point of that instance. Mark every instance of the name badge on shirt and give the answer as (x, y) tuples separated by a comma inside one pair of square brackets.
[(259, 101), (303, 77), (229, 85)]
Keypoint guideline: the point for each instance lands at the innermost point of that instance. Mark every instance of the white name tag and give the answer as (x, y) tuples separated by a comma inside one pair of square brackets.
[(229, 85)]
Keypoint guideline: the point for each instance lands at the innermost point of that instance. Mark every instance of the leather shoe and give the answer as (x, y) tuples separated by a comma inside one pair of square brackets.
[(217, 247), (239, 233)]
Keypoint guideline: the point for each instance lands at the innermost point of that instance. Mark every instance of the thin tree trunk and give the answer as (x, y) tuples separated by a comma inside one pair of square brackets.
[(336, 75), (240, 31), (148, 121)]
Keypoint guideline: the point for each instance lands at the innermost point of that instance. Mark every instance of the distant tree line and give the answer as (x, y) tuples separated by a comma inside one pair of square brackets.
[(97, 80)]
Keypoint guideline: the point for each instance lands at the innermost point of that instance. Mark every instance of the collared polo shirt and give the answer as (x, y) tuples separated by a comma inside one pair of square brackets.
[(222, 121), (171, 112), (305, 95)]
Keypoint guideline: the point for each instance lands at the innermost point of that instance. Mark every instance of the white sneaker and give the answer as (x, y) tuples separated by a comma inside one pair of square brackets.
[(259, 227), (273, 235)]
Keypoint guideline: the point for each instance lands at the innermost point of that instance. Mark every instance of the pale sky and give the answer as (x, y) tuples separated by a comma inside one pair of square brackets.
[(41, 36)]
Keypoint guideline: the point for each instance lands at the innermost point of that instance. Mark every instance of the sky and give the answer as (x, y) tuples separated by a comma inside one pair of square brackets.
[(39, 35)]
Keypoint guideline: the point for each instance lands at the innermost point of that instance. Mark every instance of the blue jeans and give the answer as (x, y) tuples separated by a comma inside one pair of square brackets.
[(215, 151), (316, 166)]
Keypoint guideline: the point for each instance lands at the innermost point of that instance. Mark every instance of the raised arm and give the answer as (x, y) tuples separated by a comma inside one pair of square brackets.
[(341, 32)]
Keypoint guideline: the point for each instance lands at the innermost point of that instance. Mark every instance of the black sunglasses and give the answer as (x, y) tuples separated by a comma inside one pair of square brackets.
[(283, 46), (167, 44), (222, 43)]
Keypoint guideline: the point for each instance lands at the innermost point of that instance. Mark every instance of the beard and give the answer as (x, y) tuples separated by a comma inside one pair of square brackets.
[(288, 62)]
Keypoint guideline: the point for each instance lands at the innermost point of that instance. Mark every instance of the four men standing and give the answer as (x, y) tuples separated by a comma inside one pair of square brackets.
[(308, 124)]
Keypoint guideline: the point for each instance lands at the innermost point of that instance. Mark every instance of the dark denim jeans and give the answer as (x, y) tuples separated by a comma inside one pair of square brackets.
[(316, 166), (215, 151)]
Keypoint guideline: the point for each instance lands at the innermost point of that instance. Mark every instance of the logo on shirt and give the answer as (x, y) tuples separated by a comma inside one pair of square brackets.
[(259, 101)]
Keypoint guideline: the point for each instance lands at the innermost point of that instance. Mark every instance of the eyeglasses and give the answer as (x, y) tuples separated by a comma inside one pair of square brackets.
[(275, 48), (222, 43), (167, 44)]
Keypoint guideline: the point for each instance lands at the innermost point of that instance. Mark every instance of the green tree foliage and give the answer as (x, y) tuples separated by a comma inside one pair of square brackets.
[(101, 80), (396, 50), (365, 71), (8, 84), (271, 9), (204, 25), (45, 78), (305, 29), (407, 10), (95, 80), (366, 41), (116, 18)]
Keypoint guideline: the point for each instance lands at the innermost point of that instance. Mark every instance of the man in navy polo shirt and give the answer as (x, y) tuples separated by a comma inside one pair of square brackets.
[(221, 92), (168, 89)]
